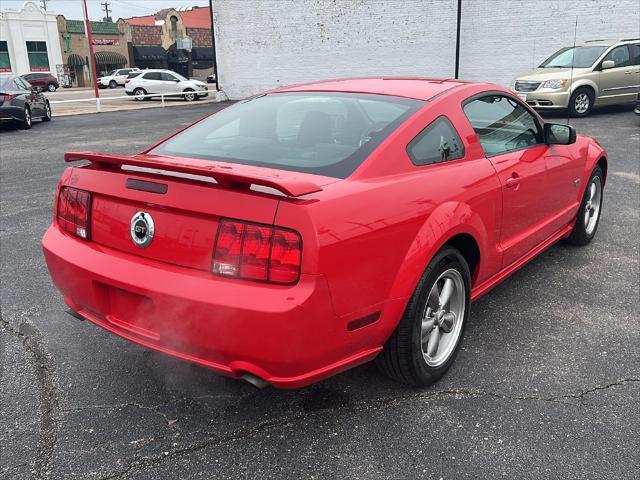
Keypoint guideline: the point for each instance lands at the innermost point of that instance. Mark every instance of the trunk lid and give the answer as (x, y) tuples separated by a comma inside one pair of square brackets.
[(184, 206)]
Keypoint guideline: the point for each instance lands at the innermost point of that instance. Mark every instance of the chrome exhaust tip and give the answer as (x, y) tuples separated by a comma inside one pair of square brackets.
[(255, 381)]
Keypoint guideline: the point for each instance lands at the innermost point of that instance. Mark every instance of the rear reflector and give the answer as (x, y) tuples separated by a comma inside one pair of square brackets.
[(257, 252), (74, 212)]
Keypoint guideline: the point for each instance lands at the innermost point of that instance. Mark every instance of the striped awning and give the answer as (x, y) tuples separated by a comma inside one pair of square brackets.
[(110, 58), (75, 60)]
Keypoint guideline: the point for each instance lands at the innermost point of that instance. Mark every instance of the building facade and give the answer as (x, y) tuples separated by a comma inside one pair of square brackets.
[(110, 46), (29, 41), (177, 40), (265, 44)]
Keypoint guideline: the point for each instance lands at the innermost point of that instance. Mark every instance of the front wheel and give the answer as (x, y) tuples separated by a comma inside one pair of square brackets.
[(426, 341), (47, 113), (113, 84), (190, 95), (581, 102), (51, 87), (589, 213), (28, 120)]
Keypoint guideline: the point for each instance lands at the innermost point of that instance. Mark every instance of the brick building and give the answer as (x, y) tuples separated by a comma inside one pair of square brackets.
[(110, 45), (178, 40)]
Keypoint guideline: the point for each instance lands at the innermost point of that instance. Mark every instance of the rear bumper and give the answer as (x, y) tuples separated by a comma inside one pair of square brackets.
[(11, 112), (287, 336)]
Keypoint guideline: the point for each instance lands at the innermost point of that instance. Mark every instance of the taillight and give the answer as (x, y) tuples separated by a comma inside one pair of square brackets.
[(127, 81), (6, 97), (74, 212), (257, 252)]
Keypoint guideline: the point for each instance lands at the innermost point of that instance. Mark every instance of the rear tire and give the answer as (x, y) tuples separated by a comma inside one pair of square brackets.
[(28, 119), (590, 210), (139, 94), (581, 102), (47, 113), (411, 355)]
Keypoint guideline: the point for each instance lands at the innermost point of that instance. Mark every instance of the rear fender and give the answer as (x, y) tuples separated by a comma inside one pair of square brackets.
[(446, 221)]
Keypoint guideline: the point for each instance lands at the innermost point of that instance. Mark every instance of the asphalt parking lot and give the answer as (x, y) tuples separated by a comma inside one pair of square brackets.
[(547, 384)]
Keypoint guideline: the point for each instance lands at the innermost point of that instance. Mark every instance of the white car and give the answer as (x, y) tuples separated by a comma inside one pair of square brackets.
[(115, 78), (153, 82)]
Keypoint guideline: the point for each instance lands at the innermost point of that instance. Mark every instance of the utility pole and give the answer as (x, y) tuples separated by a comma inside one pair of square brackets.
[(213, 46), (43, 4), (92, 58), (105, 7)]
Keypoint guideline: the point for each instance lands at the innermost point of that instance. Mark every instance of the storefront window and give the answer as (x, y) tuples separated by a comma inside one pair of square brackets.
[(38, 58), (5, 62)]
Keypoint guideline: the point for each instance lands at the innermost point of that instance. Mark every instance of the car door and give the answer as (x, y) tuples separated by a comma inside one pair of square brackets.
[(620, 84), (151, 82), (513, 141), (36, 104), (171, 83)]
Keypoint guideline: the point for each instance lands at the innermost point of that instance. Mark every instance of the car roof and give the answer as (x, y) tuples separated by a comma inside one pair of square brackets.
[(410, 87), (608, 42)]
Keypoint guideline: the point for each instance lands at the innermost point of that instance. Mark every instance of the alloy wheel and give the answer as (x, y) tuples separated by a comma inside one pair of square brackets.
[(592, 207), (582, 103), (190, 96), (443, 317), (51, 87), (27, 117)]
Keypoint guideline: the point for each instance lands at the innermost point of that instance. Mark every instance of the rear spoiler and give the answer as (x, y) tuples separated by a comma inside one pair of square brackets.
[(225, 174)]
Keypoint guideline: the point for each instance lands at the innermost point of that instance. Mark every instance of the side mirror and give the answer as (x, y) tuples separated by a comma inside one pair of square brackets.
[(607, 64), (559, 134)]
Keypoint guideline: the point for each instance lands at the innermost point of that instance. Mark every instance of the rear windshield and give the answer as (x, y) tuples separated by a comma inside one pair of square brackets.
[(327, 134)]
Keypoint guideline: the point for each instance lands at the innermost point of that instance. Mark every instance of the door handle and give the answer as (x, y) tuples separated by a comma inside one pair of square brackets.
[(513, 181)]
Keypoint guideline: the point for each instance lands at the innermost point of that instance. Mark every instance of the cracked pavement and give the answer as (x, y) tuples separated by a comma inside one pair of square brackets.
[(546, 385)]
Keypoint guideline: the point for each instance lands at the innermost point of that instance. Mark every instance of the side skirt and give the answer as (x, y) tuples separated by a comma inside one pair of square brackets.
[(488, 284)]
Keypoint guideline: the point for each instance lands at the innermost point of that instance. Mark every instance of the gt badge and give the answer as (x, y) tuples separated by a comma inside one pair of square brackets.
[(142, 229)]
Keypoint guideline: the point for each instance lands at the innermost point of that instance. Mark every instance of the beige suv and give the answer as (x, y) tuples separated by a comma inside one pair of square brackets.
[(604, 73)]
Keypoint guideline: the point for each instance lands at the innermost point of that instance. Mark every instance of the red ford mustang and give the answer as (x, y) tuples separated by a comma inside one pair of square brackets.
[(313, 228)]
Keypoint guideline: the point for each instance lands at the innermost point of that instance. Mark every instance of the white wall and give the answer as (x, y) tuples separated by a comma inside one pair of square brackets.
[(262, 44), (29, 24)]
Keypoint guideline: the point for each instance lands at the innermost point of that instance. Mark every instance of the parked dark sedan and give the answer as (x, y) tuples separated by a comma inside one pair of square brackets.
[(42, 81), (21, 102)]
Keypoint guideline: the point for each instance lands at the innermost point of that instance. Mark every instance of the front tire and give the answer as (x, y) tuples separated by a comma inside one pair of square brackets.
[(190, 95), (113, 84), (47, 113), (590, 209), (581, 102), (28, 119), (51, 87), (427, 339)]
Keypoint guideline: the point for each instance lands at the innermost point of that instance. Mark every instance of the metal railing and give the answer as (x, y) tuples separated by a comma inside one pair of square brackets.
[(131, 97)]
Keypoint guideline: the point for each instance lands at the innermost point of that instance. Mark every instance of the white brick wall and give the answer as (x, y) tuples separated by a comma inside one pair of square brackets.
[(262, 44)]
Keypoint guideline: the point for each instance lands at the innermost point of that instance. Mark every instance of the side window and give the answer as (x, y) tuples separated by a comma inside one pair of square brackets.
[(152, 76), (167, 77), (620, 56), (22, 84), (502, 124), (634, 50), (439, 142)]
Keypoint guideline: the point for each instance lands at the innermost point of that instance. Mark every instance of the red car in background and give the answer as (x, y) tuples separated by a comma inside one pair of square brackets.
[(313, 228), (42, 81)]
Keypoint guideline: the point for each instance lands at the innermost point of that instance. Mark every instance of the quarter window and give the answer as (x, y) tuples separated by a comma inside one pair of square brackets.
[(5, 62), (502, 124), (437, 143), (38, 58)]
